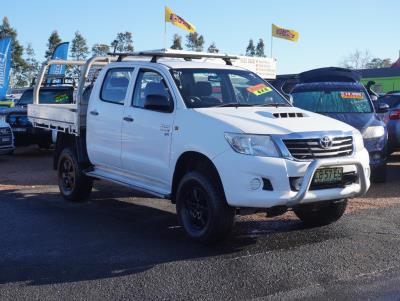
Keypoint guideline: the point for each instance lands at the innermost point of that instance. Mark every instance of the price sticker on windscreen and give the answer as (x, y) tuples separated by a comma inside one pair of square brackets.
[(259, 89), (351, 95)]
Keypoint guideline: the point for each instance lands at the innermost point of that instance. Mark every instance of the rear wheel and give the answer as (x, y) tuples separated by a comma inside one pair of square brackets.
[(202, 209), (321, 214), (74, 185)]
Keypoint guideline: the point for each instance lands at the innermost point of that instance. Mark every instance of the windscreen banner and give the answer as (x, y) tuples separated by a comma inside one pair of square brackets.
[(5, 66), (59, 53)]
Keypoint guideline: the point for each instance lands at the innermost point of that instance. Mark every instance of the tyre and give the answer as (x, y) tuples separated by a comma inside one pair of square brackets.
[(202, 209), (74, 185), (322, 213), (378, 174)]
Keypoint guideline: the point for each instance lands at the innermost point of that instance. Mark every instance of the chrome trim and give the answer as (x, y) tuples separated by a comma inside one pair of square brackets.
[(278, 140), (314, 165)]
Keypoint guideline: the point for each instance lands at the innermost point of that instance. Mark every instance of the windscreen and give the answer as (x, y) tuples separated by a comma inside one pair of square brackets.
[(202, 88), (48, 96), (333, 101)]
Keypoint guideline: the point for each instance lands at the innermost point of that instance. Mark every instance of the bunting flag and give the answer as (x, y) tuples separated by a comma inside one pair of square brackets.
[(5, 66), (59, 53), (282, 33), (174, 19)]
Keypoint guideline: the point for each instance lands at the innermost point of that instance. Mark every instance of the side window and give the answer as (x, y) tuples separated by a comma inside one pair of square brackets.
[(149, 83), (116, 84)]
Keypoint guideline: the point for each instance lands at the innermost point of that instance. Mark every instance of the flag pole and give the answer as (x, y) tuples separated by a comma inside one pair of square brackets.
[(272, 41), (165, 34)]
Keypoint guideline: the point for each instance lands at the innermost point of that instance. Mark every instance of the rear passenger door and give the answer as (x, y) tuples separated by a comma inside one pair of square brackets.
[(104, 118), (147, 134)]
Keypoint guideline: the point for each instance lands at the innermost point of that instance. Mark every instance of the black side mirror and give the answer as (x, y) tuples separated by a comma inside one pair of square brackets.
[(383, 107), (159, 103)]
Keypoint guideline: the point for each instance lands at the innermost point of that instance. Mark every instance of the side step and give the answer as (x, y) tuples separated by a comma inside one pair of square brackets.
[(122, 180)]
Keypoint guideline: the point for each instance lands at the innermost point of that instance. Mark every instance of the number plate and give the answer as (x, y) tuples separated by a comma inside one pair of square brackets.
[(4, 140), (328, 175)]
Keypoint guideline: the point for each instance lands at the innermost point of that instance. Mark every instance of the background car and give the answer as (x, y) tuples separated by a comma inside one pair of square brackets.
[(25, 134), (337, 93), (392, 99)]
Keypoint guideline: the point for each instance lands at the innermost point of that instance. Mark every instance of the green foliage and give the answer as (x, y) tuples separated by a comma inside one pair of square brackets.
[(52, 43), (250, 50), (18, 62), (195, 42), (177, 42), (260, 48), (212, 48), (100, 49), (123, 42), (32, 65)]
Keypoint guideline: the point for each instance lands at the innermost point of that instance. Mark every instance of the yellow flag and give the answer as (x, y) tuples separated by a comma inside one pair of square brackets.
[(170, 16), (287, 34)]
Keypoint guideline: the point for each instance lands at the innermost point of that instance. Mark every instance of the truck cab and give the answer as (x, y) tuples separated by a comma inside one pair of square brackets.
[(213, 138)]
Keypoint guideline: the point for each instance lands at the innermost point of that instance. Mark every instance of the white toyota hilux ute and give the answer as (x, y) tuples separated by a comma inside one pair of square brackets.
[(214, 138)]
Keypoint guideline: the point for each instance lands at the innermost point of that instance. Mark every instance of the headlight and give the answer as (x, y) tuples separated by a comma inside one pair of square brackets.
[(358, 141), (3, 118), (373, 132), (255, 145)]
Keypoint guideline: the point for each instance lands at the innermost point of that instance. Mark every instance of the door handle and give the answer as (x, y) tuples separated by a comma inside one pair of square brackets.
[(95, 113), (128, 119)]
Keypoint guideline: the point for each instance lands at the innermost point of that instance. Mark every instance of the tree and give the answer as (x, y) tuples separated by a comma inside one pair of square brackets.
[(357, 60), (177, 42), (123, 42), (32, 65), (379, 63), (79, 48), (260, 48), (100, 49), (250, 50), (18, 62), (195, 42), (212, 48), (52, 43)]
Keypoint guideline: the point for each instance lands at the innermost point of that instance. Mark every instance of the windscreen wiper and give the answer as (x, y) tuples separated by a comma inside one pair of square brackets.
[(274, 104), (234, 104)]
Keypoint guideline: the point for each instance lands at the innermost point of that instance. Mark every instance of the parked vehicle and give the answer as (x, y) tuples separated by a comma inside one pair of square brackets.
[(25, 134), (337, 93), (212, 138), (6, 139), (7, 103), (392, 99)]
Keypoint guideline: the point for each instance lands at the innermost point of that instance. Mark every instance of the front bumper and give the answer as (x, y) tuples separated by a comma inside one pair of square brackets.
[(5, 150), (238, 171)]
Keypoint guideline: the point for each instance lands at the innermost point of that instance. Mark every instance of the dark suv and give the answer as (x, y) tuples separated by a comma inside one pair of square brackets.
[(24, 133), (338, 93)]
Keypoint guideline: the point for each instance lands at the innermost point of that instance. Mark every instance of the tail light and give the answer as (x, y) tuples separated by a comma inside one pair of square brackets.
[(395, 114)]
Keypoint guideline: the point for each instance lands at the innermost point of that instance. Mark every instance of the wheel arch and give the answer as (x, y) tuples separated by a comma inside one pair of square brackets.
[(194, 160)]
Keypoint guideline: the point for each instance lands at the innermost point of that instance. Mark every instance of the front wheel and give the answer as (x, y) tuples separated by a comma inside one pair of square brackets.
[(321, 214), (378, 174), (202, 209), (74, 185)]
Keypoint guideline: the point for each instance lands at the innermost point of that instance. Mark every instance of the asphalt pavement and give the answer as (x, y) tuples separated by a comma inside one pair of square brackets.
[(122, 245)]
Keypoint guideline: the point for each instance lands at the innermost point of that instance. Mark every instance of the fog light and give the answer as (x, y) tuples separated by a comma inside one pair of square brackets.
[(255, 184), (297, 183)]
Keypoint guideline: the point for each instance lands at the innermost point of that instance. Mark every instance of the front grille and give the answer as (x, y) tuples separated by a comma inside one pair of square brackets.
[(5, 137), (307, 149)]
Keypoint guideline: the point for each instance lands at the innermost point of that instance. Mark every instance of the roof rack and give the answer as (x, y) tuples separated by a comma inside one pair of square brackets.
[(162, 53)]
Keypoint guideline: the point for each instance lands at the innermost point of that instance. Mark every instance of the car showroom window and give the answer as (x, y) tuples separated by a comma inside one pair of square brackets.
[(149, 83), (116, 85)]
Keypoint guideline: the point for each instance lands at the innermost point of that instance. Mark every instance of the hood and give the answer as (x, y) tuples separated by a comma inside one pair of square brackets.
[(273, 121), (360, 121)]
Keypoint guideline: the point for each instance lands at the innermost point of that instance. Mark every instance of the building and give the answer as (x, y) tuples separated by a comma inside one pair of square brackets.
[(386, 79)]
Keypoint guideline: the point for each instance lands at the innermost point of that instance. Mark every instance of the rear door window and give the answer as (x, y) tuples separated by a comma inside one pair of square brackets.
[(116, 84)]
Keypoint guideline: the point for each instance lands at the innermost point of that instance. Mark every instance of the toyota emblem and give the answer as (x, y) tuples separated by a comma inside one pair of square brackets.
[(326, 142)]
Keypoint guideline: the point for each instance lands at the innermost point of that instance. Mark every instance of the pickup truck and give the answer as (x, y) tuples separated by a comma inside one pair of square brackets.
[(215, 139)]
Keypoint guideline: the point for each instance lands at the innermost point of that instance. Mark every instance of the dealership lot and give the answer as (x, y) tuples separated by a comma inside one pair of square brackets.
[(132, 246)]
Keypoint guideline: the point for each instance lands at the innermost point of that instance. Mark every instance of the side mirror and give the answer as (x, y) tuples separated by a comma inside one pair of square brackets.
[(159, 103), (383, 107)]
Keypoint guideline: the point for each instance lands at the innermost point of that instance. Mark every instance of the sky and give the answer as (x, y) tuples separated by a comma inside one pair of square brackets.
[(329, 30)]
